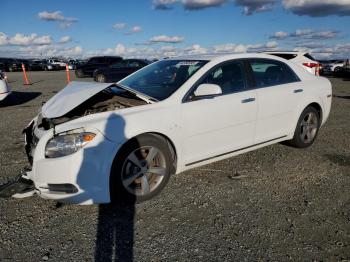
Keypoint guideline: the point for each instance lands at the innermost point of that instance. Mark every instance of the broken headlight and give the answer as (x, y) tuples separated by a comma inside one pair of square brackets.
[(67, 144)]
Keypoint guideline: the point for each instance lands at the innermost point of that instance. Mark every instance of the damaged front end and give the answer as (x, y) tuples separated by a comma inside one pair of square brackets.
[(69, 104)]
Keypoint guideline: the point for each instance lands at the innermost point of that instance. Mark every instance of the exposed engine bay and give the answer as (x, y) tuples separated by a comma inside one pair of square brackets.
[(107, 100)]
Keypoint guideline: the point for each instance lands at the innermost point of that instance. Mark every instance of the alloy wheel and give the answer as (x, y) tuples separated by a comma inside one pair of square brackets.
[(308, 127), (143, 170)]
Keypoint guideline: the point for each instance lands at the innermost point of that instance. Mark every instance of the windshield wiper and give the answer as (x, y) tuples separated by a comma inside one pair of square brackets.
[(144, 97)]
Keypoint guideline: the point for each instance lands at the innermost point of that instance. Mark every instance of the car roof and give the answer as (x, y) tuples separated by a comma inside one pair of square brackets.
[(212, 57)]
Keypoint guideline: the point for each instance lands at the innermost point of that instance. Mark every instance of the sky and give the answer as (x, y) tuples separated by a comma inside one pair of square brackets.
[(162, 28)]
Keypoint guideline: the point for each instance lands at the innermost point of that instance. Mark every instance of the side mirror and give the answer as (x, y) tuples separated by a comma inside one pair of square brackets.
[(208, 90)]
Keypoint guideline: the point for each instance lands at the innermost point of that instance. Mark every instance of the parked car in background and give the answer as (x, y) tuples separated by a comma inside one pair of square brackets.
[(50, 67), (57, 63), (71, 64), (36, 65), (88, 68), (119, 70), (301, 58), (11, 64), (333, 66), (5, 90), (98, 142)]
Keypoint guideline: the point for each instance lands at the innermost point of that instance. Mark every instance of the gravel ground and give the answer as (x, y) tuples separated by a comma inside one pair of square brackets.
[(273, 204)]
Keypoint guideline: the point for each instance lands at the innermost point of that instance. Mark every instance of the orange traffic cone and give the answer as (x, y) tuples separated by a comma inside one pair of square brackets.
[(317, 71), (26, 81), (68, 74)]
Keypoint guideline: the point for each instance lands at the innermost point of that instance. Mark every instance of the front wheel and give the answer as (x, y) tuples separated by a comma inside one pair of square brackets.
[(101, 78), (141, 170), (307, 128), (79, 73)]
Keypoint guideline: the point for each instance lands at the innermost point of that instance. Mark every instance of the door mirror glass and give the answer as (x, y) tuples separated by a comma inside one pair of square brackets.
[(208, 90)]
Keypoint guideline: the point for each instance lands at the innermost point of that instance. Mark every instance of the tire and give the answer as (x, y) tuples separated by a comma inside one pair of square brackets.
[(79, 73), (141, 185), (307, 128), (100, 78), (336, 69)]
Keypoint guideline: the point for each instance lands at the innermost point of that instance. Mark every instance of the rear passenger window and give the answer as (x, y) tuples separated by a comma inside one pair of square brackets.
[(270, 73), (230, 77)]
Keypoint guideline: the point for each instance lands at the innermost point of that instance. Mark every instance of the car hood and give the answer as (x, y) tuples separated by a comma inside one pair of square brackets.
[(70, 97)]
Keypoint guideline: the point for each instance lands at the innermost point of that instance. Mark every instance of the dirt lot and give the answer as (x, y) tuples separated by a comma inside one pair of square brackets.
[(276, 203)]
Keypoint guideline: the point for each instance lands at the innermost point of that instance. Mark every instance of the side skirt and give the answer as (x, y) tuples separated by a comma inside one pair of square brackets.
[(235, 151)]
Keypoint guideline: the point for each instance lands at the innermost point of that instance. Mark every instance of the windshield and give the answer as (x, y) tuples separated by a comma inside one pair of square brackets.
[(163, 78)]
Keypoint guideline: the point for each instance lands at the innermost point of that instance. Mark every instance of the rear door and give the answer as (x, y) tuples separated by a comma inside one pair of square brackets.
[(278, 92)]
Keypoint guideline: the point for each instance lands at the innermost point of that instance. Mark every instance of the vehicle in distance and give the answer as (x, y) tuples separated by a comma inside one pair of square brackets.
[(57, 63), (301, 58), (5, 90), (100, 142), (88, 68), (36, 65), (333, 67), (119, 70), (11, 64)]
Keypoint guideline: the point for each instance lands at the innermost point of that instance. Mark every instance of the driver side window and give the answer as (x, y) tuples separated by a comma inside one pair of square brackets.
[(229, 76)]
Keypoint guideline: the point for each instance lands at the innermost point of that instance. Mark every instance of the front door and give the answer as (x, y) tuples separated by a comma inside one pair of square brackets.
[(218, 125)]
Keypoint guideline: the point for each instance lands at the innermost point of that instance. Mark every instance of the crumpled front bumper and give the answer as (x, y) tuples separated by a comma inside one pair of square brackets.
[(79, 178)]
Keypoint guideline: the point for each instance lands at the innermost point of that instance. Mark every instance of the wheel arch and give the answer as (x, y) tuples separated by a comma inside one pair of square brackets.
[(318, 108), (168, 141)]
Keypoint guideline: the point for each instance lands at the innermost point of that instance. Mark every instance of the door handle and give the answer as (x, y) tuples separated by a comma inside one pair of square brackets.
[(248, 100), (298, 90)]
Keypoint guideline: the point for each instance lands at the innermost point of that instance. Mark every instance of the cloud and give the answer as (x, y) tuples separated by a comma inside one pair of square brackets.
[(163, 4), (271, 45), (65, 39), (187, 4), (250, 6), (305, 34), (43, 51), (151, 52), (279, 35), (201, 4), (196, 50), (133, 30), (311, 34), (241, 48), (56, 51), (24, 40), (57, 16), (54, 16), (119, 26), (167, 39), (318, 7), (255, 6)]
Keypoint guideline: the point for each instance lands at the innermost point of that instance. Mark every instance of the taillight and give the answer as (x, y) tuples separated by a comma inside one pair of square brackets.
[(311, 65)]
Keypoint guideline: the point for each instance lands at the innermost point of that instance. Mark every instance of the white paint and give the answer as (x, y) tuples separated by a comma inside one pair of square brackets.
[(203, 129)]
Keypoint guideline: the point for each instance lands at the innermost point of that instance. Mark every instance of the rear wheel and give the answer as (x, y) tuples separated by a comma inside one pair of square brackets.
[(307, 128), (79, 73), (101, 78), (141, 170)]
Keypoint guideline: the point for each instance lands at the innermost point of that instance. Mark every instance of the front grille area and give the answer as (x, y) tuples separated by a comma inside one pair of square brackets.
[(31, 142)]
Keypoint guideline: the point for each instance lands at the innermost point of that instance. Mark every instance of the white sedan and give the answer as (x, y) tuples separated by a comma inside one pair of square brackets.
[(5, 90), (95, 143)]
